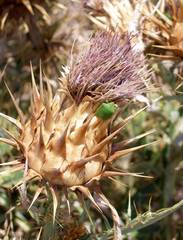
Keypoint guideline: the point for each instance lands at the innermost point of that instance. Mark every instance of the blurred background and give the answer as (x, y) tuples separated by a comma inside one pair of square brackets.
[(52, 31)]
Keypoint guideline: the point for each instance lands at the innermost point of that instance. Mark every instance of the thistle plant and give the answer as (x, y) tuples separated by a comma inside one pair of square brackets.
[(169, 22), (67, 141), (27, 13), (157, 23), (30, 27)]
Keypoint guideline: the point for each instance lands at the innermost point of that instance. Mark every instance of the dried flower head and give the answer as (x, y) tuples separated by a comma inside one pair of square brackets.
[(68, 142), (111, 70)]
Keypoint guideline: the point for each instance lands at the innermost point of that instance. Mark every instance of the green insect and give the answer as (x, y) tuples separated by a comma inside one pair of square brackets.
[(106, 110)]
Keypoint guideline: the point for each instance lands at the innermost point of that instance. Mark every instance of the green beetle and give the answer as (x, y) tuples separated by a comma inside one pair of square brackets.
[(106, 110)]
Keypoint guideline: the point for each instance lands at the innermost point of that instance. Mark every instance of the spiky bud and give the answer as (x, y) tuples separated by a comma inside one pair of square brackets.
[(67, 140)]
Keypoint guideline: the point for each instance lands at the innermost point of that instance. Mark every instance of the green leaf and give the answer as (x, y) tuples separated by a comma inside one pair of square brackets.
[(146, 219)]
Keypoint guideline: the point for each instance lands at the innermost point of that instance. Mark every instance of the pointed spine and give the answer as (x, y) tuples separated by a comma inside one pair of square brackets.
[(8, 141), (87, 193), (13, 169), (109, 138), (12, 120), (55, 202), (41, 137), (36, 95), (127, 151), (41, 82), (10, 163), (116, 219), (120, 145), (38, 192), (120, 173), (20, 113), (19, 143)]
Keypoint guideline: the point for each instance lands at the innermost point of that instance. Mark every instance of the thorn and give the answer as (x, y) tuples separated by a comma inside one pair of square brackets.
[(80, 163), (87, 193), (55, 203), (61, 140), (17, 185), (136, 209), (129, 211), (16, 140), (149, 208), (20, 113), (39, 234), (67, 200), (12, 120), (68, 206), (28, 5), (12, 169), (119, 173), (36, 95), (81, 198), (38, 192), (117, 129), (10, 163), (120, 145), (8, 141), (116, 219), (31, 175), (41, 137), (3, 72), (48, 123), (124, 152), (117, 181), (24, 179), (33, 121), (41, 81), (3, 20), (50, 94), (126, 121)]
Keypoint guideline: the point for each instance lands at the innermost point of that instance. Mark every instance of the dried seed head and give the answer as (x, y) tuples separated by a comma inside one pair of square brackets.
[(111, 70)]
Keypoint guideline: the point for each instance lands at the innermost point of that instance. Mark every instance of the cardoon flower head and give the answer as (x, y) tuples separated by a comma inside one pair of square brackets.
[(67, 141), (111, 70)]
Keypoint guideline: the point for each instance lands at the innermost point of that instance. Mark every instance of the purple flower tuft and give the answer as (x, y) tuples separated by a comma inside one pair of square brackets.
[(111, 70)]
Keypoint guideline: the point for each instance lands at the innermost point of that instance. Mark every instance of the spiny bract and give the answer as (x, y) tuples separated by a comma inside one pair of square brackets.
[(64, 142)]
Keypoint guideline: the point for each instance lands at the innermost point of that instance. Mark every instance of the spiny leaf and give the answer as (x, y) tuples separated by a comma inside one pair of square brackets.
[(146, 219)]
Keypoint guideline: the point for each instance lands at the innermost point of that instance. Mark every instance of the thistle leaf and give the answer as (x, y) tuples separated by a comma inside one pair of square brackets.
[(145, 219)]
